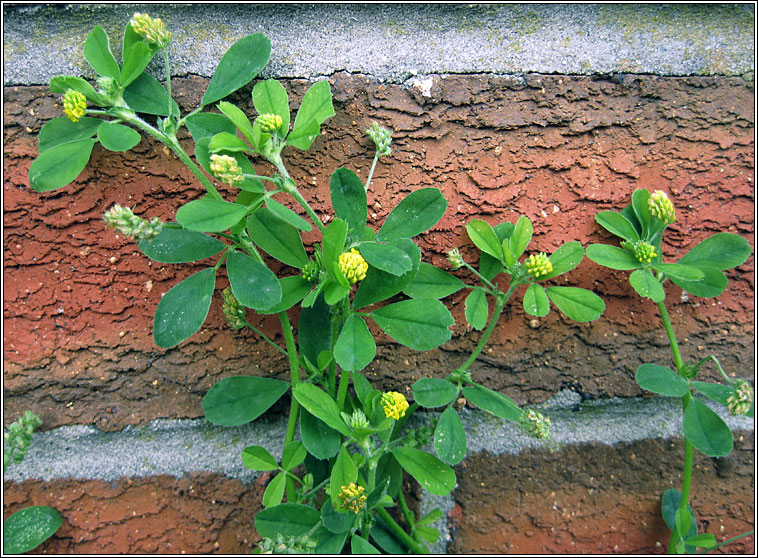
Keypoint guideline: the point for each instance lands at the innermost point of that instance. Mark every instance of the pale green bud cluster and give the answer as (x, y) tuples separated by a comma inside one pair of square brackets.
[(312, 271), (741, 400), (74, 105), (661, 207), (234, 312), (535, 425), (381, 137), (226, 169), (287, 545), (357, 419), (269, 123), (152, 29), (538, 264), (18, 438), (353, 266), (352, 497), (123, 220), (455, 259), (107, 86), (644, 252)]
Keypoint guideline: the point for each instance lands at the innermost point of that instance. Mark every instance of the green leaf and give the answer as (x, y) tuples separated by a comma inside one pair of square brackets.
[(274, 491), (522, 235), (683, 272), (416, 213), (253, 284), (483, 236), (355, 347), (661, 380), (349, 199), (61, 130), (328, 542), (97, 51), (579, 305), (183, 309), (334, 521), (290, 520), (180, 246), (227, 142), (386, 258), (617, 224), (257, 458), (712, 284), (647, 285), (333, 243), (431, 473), (359, 545), (564, 259), (450, 437), (240, 120), (717, 392), (379, 285), (59, 165), (117, 137), (321, 406), (286, 214), (136, 60), (209, 215), (294, 288), (362, 386), (28, 528), (61, 84), (434, 392), (270, 97), (720, 251), (239, 65), (314, 321), (320, 440), (344, 472), (432, 282), (429, 534), (641, 210), (208, 124), (431, 517), (706, 540), (314, 110), (293, 455), (706, 431), (335, 292), (493, 401), (238, 400), (421, 324), (536, 302), (277, 238), (476, 308), (612, 257), (682, 519), (489, 267), (384, 538), (145, 94), (670, 503)]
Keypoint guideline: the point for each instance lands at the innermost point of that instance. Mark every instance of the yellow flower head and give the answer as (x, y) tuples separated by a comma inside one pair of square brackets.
[(661, 207), (269, 123), (538, 264), (226, 169), (153, 30), (353, 266), (644, 252), (74, 105), (394, 404), (352, 497)]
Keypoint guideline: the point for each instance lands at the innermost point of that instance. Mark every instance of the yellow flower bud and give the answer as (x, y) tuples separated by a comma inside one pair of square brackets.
[(394, 404), (269, 123), (153, 30), (74, 105), (353, 266), (661, 207), (352, 497), (538, 264), (226, 169)]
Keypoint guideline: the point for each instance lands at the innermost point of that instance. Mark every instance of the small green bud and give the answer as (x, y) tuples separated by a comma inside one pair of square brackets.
[(455, 259), (644, 252), (381, 137), (358, 420), (661, 207), (269, 123), (123, 220), (233, 311), (312, 271), (538, 264), (741, 400), (226, 169), (535, 425), (74, 105), (107, 86), (152, 30)]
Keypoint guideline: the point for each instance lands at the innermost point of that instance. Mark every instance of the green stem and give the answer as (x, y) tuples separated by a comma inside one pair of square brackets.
[(265, 337), (727, 541), (481, 277), (371, 172), (407, 513), (168, 80), (295, 193), (342, 391), (672, 337), (405, 538), (289, 436)]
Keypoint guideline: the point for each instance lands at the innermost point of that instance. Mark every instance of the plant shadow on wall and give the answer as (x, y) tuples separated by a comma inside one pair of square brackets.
[(333, 487)]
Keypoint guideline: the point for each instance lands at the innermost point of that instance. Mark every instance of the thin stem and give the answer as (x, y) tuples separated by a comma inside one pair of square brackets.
[(289, 436), (672, 337), (481, 277), (295, 193), (168, 80), (405, 538), (265, 338), (407, 513), (342, 391), (371, 172), (727, 541)]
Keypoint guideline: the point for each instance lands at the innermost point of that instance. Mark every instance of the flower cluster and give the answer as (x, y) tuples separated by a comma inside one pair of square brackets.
[(741, 400), (538, 264), (644, 252), (535, 425), (353, 266), (18, 437), (226, 169), (394, 404), (287, 545), (269, 123), (455, 259), (381, 137), (357, 420), (352, 497), (153, 30), (312, 271), (661, 207), (234, 312), (74, 105), (126, 222)]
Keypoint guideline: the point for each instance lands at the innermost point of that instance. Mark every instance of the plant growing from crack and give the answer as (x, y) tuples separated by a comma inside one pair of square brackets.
[(700, 272), (352, 447)]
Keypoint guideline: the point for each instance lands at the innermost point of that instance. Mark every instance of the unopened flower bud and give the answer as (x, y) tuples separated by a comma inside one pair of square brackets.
[(455, 259), (153, 30), (312, 271), (644, 252), (352, 497), (127, 223), (269, 123), (535, 425), (353, 266), (358, 420), (741, 400), (381, 137), (394, 404), (74, 105), (226, 169), (661, 207), (107, 85), (538, 264), (234, 312)]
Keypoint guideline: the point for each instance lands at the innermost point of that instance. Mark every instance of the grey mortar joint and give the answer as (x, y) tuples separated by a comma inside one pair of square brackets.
[(178, 447)]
